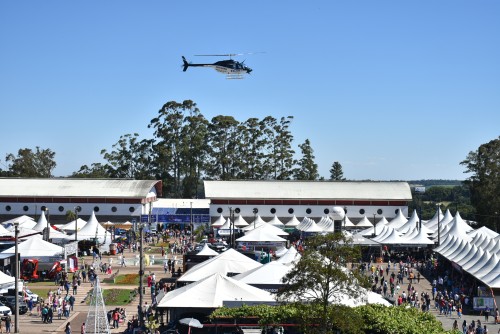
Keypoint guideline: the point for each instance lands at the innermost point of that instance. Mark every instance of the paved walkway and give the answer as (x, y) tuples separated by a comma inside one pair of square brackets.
[(33, 323)]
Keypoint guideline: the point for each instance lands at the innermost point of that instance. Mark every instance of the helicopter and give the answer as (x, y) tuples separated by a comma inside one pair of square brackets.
[(232, 68)]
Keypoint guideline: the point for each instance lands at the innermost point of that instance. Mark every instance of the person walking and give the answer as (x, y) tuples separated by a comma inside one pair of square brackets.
[(8, 321), (82, 329), (67, 330)]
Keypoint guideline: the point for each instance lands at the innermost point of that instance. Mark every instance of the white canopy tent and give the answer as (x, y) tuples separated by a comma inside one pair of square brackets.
[(263, 234), (70, 227), (41, 223), (293, 222), (6, 282), (240, 222), (275, 221), (364, 223), (36, 247), (270, 273), (207, 251), (291, 256), (230, 261), (398, 221), (24, 221), (219, 222), (91, 230), (211, 292)]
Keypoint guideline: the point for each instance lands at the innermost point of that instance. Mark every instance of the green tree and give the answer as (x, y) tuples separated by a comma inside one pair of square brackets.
[(28, 163), (223, 159), (194, 150), (130, 158), (321, 276), (95, 171), (252, 136), (336, 173), (279, 157), (484, 183), (306, 168)]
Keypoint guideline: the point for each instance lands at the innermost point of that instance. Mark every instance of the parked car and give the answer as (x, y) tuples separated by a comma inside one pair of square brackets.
[(5, 310), (9, 301)]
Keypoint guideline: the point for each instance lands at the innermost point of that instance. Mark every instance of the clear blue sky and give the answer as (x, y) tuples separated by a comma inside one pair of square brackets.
[(391, 89)]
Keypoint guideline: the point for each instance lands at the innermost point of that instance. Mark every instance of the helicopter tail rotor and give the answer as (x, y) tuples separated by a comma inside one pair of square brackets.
[(185, 64)]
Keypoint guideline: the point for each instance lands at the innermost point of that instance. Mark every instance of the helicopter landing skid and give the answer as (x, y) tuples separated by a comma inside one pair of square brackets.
[(234, 76)]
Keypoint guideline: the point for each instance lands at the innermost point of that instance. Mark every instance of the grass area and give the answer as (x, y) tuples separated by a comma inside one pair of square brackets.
[(42, 293), (42, 283), (116, 297), (127, 279)]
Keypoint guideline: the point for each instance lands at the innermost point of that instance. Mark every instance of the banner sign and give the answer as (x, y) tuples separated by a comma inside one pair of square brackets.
[(71, 248), (481, 303), (176, 219)]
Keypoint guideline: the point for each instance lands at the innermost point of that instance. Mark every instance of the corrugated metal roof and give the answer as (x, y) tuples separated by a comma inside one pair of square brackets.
[(55, 187), (307, 190)]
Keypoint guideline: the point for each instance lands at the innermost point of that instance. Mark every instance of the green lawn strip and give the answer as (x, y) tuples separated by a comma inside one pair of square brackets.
[(116, 297), (127, 279), (41, 283), (41, 292)]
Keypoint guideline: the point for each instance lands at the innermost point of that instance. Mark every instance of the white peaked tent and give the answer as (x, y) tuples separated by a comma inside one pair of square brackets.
[(418, 237), (41, 223), (35, 247), (468, 256), (219, 222), (311, 227), (207, 251), (358, 239), (364, 222), (262, 234), (398, 221), (375, 229), (276, 222), (483, 231), (226, 228), (448, 217), (485, 268), (254, 224), (270, 273), (445, 243), (240, 221), (3, 230), (464, 247), (410, 223), (6, 282), (392, 239), (230, 261), (348, 223), (211, 292), (293, 222), (290, 257), (80, 223), (473, 260), (472, 269), (457, 256), (458, 227), (326, 224), (438, 215), (24, 221), (91, 230)]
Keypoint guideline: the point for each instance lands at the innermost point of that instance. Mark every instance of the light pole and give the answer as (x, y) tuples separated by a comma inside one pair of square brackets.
[(255, 210), (48, 224), (141, 273), (191, 220), (345, 216), (16, 279), (374, 225), (438, 206)]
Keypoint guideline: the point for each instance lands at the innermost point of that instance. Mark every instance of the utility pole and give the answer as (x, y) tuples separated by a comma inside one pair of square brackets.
[(16, 280)]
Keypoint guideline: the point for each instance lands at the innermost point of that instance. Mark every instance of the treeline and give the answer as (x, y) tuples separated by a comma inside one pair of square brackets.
[(187, 148)]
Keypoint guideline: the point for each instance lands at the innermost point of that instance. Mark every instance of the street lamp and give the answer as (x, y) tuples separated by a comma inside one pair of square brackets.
[(345, 217), (255, 210), (48, 224), (191, 219), (438, 206), (374, 225), (16, 278), (141, 273)]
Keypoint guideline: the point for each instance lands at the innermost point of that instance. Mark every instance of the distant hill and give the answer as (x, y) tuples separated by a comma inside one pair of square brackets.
[(430, 183)]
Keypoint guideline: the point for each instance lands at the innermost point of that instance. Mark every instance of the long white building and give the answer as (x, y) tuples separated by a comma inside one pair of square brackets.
[(312, 199)]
